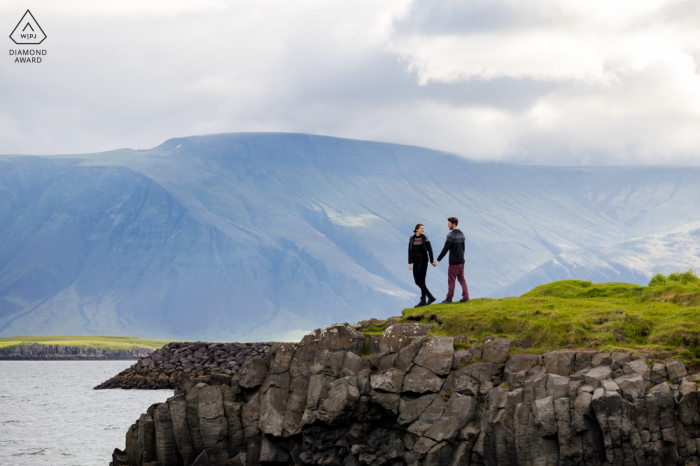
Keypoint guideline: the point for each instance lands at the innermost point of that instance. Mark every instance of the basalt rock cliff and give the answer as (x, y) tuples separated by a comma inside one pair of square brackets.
[(418, 401)]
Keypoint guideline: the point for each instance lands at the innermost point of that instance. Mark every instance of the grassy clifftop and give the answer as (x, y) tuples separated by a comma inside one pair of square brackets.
[(95, 341), (578, 314)]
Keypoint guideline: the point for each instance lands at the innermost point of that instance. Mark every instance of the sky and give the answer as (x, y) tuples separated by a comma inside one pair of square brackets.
[(559, 82)]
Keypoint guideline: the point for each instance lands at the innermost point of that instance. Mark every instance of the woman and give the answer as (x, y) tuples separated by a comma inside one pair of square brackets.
[(418, 251)]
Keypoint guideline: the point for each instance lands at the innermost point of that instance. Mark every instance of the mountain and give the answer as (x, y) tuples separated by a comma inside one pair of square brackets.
[(260, 236), (633, 261)]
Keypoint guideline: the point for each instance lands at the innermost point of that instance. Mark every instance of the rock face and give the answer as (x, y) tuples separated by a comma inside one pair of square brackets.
[(320, 402), (176, 363), (38, 351)]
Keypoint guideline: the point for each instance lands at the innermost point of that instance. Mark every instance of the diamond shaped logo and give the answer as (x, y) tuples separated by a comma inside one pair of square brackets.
[(28, 31)]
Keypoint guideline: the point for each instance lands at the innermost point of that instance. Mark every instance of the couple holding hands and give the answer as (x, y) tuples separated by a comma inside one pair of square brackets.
[(419, 249)]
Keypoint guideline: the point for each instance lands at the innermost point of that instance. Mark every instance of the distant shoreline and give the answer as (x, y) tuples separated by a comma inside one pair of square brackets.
[(68, 358)]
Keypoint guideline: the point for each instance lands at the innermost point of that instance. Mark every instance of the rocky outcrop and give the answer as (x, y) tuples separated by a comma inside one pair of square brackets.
[(176, 363), (38, 351), (321, 402)]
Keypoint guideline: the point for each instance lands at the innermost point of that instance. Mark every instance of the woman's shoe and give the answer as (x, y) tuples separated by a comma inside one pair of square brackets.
[(431, 300), (421, 304)]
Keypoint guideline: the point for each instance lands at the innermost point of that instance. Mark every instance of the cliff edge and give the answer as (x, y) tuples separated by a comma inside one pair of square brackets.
[(419, 401)]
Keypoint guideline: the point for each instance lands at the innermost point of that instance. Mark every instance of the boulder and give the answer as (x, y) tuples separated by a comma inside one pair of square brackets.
[(328, 362), (658, 373), (496, 350), (388, 401), (560, 362), (518, 363), (253, 373), (181, 431), (582, 410), (477, 351), (436, 354), (273, 403), (525, 343), (461, 358), (388, 381), (421, 380), (535, 384), (213, 425), (675, 370), (465, 383), (392, 320), (481, 372), (638, 366), (360, 325), (459, 410), (375, 344), (430, 415), (584, 359), (353, 364), (337, 337), (404, 360), (410, 409), (166, 448), (597, 374), (633, 386), (618, 359), (342, 398), (543, 413), (687, 387), (557, 386), (399, 336), (610, 385), (601, 359), (280, 355)]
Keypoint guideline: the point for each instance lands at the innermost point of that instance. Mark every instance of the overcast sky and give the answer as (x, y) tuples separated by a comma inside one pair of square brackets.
[(536, 81)]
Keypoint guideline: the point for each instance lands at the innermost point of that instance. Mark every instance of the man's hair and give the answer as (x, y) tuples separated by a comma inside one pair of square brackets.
[(453, 220)]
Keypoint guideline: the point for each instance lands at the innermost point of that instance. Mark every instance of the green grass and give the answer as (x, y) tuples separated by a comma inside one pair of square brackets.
[(96, 341), (579, 314)]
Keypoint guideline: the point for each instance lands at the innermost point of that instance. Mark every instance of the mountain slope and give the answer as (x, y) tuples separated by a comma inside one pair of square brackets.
[(262, 236), (634, 261)]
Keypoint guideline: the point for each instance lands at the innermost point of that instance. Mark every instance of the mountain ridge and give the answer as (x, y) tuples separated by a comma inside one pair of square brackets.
[(253, 236)]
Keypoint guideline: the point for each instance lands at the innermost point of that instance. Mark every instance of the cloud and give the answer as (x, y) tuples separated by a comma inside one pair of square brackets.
[(546, 81), (623, 74)]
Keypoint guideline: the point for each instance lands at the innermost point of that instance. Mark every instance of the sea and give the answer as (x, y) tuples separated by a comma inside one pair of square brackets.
[(49, 413)]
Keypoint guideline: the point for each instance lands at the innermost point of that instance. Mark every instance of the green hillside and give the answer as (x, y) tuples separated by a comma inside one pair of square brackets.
[(579, 314), (95, 341)]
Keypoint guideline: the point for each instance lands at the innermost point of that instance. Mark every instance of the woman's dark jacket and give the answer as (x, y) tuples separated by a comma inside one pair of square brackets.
[(419, 249)]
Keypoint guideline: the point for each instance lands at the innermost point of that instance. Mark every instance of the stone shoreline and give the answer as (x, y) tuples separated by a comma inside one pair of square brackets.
[(41, 352), (177, 362), (418, 401)]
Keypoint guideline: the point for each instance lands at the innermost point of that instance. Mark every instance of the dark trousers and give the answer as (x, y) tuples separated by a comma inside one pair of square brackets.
[(456, 271), (420, 270)]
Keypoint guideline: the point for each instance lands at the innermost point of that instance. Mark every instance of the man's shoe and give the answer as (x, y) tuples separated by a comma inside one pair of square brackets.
[(447, 301), (463, 300), (421, 304), (431, 300)]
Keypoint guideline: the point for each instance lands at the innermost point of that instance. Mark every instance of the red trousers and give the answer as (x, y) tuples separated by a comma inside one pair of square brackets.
[(456, 271)]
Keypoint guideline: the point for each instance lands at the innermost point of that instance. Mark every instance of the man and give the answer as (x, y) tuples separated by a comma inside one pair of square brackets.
[(455, 245)]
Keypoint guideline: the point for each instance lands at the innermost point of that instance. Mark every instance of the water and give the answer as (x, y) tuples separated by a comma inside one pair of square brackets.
[(49, 413)]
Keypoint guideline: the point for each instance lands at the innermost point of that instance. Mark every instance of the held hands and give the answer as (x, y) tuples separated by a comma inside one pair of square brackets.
[(435, 263)]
